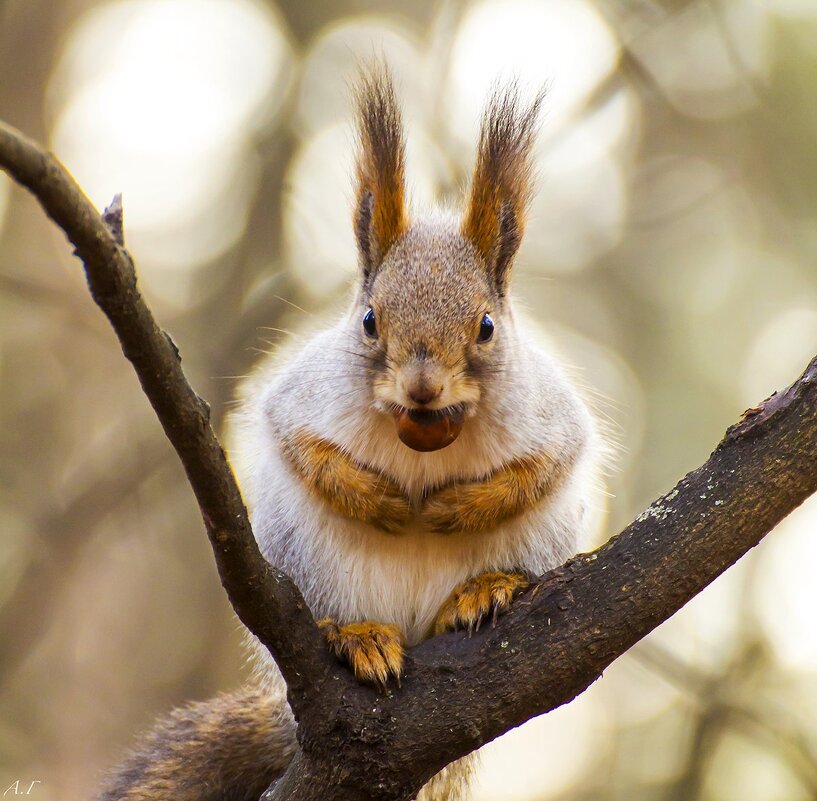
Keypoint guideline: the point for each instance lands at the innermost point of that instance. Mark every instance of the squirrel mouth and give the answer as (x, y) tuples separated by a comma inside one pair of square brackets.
[(429, 429)]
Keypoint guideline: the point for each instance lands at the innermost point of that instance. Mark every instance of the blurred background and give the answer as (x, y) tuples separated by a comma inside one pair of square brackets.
[(670, 255)]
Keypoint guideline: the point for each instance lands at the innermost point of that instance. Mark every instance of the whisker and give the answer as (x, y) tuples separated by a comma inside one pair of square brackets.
[(294, 305)]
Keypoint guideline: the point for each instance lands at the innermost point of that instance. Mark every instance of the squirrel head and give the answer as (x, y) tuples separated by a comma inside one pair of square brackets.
[(433, 292)]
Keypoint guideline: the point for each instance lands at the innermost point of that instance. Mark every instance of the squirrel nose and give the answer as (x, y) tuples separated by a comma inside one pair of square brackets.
[(423, 393)]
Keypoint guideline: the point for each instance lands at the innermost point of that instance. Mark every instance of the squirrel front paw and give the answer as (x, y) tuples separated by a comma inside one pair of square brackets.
[(392, 509), (460, 507), (473, 600), (374, 651), (350, 489)]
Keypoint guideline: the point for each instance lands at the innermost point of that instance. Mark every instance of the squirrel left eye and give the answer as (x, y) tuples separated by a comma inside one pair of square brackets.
[(486, 329), (369, 323)]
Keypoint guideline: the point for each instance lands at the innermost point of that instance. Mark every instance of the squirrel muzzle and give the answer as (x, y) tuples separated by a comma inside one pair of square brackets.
[(427, 425)]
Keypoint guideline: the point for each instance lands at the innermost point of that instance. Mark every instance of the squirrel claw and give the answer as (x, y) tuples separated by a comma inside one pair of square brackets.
[(374, 651), (473, 600), (473, 625)]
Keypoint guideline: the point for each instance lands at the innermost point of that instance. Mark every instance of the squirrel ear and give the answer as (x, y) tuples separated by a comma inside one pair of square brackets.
[(380, 206), (500, 192)]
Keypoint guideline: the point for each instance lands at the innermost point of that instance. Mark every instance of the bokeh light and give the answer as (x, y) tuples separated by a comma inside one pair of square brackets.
[(333, 59), (706, 56), (786, 591), (5, 189), (580, 209), (563, 45), (160, 100), (779, 352), (546, 756)]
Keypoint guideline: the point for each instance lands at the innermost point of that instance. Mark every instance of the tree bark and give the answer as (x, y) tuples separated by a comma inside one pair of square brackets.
[(458, 692)]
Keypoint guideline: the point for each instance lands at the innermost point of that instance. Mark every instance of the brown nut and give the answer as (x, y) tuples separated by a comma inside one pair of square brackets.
[(428, 430)]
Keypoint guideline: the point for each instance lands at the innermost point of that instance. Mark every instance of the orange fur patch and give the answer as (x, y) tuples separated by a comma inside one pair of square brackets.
[(350, 489), (481, 505)]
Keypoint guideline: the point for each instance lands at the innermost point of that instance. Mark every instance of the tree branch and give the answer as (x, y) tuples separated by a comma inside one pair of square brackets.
[(267, 602), (458, 693)]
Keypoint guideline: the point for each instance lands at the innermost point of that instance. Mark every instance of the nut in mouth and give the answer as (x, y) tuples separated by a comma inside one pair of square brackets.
[(429, 429)]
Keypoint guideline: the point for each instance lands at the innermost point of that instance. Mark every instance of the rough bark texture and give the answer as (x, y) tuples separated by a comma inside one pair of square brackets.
[(458, 693)]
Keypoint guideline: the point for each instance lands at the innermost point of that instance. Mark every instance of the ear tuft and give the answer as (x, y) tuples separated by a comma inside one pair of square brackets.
[(380, 206), (501, 187)]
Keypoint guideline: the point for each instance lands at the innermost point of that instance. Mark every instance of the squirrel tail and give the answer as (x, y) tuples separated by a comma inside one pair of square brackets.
[(230, 748)]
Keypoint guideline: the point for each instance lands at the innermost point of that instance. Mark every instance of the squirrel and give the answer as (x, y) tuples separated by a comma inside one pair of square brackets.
[(412, 467)]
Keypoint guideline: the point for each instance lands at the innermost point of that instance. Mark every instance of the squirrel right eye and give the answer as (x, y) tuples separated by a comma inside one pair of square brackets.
[(486, 329), (369, 323)]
